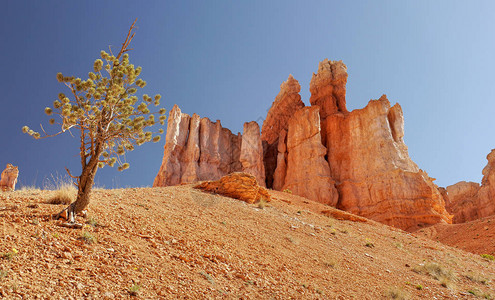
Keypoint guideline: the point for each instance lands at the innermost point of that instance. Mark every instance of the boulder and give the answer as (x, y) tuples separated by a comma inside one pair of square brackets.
[(238, 185), (8, 178)]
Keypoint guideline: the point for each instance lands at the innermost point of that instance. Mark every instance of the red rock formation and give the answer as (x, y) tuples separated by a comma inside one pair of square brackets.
[(469, 201), (375, 176), (8, 178), (486, 195), (251, 156), (281, 166), (308, 174), (170, 170), (239, 185), (460, 200), (287, 102), (315, 152), (199, 149), (327, 87)]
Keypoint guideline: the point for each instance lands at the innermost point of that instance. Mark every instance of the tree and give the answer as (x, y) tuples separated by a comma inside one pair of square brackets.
[(106, 112)]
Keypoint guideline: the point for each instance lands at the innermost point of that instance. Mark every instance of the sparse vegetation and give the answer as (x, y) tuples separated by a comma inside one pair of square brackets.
[(93, 221), (261, 204), (487, 256), (287, 191), (370, 245), (477, 278), (9, 255), (331, 263), (105, 110), (292, 240), (88, 237), (207, 277), (64, 195), (397, 293), (445, 276), (134, 289)]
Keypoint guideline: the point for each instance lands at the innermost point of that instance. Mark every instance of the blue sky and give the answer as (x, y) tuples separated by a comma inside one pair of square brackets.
[(226, 60)]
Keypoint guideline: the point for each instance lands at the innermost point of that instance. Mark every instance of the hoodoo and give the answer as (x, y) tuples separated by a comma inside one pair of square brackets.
[(198, 149), (469, 201), (356, 161)]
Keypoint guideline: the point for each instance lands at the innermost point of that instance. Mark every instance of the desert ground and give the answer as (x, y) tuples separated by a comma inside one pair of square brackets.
[(181, 243)]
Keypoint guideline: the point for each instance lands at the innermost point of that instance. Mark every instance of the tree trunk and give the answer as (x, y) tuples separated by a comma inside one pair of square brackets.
[(86, 181)]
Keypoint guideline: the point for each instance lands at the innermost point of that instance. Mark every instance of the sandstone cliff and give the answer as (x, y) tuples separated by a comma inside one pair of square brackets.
[(356, 161), (251, 156), (287, 102), (198, 149), (469, 201), (308, 173), (461, 199), (375, 176)]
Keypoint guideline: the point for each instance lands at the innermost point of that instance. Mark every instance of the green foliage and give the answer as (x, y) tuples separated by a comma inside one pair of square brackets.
[(134, 289), (9, 255), (445, 276), (487, 256), (105, 109), (88, 237)]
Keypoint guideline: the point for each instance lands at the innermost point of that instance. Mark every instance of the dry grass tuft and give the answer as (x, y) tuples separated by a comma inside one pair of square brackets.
[(397, 293), (65, 191), (445, 276)]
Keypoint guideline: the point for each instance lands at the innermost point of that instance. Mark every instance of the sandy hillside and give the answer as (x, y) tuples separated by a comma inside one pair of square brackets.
[(477, 236), (178, 242)]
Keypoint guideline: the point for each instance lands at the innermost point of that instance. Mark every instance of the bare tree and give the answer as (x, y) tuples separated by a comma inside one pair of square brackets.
[(106, 112)]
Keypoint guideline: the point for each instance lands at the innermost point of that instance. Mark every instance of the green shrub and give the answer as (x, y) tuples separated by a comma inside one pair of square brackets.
[(487, 256)]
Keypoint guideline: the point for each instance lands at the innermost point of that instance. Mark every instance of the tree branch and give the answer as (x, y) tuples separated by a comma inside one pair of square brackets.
[(128, 39)]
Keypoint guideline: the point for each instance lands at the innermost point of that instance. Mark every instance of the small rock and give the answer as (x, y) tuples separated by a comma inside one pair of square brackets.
[(108, 295)]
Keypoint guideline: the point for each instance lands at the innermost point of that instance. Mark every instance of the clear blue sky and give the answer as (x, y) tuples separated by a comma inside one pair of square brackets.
[(226, 60)]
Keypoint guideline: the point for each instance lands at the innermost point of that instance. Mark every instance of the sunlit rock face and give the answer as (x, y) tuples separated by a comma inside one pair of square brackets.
[(9, 178), (469, 201), (373, 172), (252, 152), (198, 149), (356, 161), (308, 173), (286, 104)]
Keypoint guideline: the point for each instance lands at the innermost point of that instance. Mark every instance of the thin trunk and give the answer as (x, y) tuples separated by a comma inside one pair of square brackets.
[(86, 181)]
